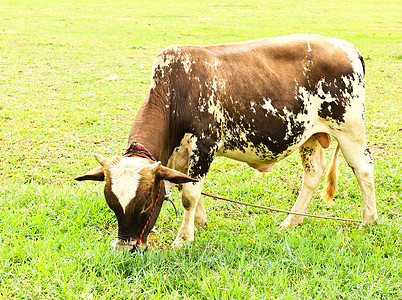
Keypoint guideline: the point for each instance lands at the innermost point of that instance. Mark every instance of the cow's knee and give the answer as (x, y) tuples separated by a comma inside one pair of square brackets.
[(190, 195)]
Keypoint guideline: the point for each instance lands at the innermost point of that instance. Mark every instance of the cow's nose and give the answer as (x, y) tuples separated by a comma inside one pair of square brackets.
[(142, 246), (124, 245)]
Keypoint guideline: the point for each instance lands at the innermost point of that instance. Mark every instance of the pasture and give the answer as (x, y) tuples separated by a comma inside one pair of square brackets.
[(72, 77)]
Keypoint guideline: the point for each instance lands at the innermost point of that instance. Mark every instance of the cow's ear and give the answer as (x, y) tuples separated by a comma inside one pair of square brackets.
[(173, 175), (96, 174)]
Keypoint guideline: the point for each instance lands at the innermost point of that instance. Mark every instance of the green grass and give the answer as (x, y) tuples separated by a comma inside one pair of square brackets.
[(72, 76)]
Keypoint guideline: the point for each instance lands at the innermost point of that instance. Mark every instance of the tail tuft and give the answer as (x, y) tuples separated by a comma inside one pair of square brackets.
[(331, 179)]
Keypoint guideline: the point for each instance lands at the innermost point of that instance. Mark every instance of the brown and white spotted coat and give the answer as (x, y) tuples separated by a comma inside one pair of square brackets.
[(255, 102)]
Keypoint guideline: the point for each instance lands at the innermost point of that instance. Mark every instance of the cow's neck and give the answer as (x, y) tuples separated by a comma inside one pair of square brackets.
[(151, 128)]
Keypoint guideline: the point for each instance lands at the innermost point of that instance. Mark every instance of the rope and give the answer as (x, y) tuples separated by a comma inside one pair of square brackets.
[(150, 215), (280, 210), (174, 206)]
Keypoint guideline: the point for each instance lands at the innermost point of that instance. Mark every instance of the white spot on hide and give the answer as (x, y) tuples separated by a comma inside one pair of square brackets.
[(163, 62), (214, 105), (186, 63), (308, 47), (268, 106), (252, 103)]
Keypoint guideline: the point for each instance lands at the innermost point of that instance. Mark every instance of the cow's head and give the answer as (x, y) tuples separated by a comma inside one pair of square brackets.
[(132, 185)]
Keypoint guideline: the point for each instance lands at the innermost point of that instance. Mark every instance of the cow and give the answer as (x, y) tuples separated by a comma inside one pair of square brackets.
[(255, 102)]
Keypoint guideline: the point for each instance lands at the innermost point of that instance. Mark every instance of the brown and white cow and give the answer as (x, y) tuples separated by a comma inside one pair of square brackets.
[(256, 102)]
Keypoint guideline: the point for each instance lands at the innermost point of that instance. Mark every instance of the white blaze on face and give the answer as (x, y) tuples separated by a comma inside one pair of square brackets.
[(125, 177)]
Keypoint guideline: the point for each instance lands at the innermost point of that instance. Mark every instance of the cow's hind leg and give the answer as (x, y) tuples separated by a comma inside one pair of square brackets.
[(200, 218), (191, 195), (358, 157), (313, 160)]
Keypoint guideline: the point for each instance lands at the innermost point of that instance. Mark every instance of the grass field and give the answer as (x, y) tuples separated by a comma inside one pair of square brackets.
[(72, 76)]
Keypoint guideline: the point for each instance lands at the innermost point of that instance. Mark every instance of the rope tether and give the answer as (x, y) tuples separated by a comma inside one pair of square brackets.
[(281, 210)]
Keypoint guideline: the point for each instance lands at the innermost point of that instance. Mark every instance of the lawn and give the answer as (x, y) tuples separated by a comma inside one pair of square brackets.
[(72, 77)]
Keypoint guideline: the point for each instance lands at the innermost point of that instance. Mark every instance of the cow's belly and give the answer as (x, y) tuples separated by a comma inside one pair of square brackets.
[(256, 156)]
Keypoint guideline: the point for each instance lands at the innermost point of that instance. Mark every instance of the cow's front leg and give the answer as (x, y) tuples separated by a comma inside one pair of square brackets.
[(191, 195)]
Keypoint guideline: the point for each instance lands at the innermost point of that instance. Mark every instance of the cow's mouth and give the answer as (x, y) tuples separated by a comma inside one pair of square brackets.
[(129, 245)]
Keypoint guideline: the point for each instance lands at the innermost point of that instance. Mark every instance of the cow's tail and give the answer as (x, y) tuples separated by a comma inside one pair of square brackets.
[(331, 179)]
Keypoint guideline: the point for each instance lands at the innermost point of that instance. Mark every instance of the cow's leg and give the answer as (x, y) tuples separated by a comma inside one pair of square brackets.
[(191, 194), (313, 160), (358, 157)]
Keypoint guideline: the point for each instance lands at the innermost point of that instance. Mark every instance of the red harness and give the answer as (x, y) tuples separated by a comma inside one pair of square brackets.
[(137, 148), (150, 215)]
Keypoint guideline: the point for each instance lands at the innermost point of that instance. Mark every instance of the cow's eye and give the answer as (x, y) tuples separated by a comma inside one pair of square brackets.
[(148, 202), (147, 205)]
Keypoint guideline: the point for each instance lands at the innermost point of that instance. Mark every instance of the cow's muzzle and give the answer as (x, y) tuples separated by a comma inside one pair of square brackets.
[(129, 245)]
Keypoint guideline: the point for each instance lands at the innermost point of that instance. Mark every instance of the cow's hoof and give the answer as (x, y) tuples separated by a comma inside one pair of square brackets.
[(200, 223), (290, 222), (284, 225), (368, 219), (180, 243), (200, 219)]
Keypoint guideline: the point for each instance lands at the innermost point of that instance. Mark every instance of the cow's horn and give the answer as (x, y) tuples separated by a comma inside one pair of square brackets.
[(155, 167), (102, 160)]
